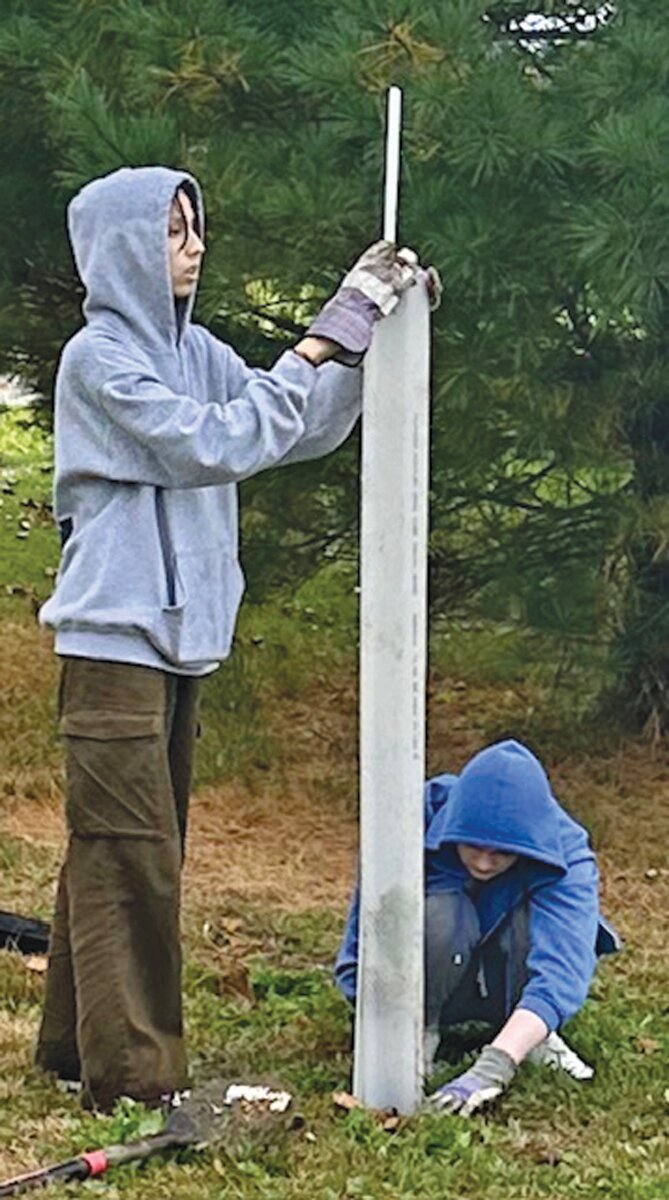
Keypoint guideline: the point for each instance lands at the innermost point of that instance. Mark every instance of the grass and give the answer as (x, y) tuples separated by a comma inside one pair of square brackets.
[(550, 1138), (281, 649), (27, 534), (277, 769), (553, 683), (259, 1001)]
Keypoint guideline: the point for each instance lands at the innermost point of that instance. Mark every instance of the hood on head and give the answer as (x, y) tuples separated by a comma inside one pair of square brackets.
[(118, 227), (502, 800)]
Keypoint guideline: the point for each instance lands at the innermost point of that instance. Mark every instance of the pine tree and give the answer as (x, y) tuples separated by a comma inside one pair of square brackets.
[(535, 177)]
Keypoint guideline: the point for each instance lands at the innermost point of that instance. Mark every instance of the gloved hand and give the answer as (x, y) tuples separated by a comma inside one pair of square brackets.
[(485, 1081), (382, 273), (434, 287), (371, 289)]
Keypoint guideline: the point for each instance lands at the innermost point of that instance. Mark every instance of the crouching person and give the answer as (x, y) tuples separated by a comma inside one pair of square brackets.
[(512, 923)]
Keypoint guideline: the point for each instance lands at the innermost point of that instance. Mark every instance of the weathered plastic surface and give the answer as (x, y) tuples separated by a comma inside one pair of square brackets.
[(389, 1016)]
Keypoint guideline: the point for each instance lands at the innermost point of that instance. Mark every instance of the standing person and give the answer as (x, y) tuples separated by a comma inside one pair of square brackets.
[(512, 922), (156, 423)]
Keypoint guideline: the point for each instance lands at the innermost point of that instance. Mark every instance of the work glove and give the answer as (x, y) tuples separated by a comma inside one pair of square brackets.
[(371, 289), (485, 1081), (554, 1052)]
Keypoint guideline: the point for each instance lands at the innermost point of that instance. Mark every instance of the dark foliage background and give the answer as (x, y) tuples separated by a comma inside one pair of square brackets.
[(536, 177)]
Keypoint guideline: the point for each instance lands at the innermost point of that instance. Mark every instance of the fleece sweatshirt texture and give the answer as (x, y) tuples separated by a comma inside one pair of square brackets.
[(156, 423), (503, 800)]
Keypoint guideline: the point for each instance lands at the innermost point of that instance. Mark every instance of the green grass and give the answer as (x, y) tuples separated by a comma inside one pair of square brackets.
[(280, 649), (28, 539), (555, 682), (548, 1138)]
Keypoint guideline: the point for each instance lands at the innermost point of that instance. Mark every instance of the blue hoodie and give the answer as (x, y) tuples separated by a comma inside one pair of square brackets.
[(156, 423), (503, 800)]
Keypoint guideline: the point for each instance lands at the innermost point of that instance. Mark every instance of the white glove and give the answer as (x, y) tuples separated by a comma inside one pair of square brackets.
[(554, 1052), (382, 273)]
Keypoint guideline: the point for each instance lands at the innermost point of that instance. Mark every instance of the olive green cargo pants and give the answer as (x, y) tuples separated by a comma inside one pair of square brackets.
[(112, 1013)]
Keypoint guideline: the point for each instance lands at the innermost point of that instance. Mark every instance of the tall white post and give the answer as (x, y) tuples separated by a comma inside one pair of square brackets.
[(395, 440)]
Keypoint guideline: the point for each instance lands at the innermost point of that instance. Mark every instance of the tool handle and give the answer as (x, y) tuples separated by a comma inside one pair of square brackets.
[(144, 1148), (74, 1168), (94, 1162)]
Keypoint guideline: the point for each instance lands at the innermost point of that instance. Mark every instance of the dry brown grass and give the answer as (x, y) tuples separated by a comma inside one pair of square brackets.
[(290, 840), (29, 754), (274, 849)]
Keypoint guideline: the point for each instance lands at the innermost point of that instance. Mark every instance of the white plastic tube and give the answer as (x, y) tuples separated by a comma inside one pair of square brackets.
[(389, 1013)]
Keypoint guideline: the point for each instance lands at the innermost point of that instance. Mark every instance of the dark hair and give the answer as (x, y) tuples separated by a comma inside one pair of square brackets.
[(190, 191)]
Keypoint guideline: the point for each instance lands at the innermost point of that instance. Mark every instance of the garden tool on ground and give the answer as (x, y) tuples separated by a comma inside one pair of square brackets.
[(197, 1119)]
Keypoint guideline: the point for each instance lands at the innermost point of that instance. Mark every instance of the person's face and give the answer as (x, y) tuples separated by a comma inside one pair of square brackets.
[(186, 247), (484, 864)]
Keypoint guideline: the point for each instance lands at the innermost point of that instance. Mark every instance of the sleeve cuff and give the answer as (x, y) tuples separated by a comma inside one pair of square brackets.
[(542, 1009), (293, 366), (345, 979), (299, 374)]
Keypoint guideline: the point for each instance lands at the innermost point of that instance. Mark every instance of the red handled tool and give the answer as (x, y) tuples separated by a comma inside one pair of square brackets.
[(197, 1121)]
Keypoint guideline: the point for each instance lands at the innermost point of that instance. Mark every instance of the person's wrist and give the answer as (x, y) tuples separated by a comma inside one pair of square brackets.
[(315, 350)]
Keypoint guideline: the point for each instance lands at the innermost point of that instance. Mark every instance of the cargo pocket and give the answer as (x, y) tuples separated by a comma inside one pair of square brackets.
[(118, 781)]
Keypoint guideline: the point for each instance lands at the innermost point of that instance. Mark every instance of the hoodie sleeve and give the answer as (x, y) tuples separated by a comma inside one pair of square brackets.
[(151, 434), (332, 410), (346, 966), (563, 933)]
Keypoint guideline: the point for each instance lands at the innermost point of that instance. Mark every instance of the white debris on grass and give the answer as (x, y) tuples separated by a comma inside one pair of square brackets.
[(258, 1095)]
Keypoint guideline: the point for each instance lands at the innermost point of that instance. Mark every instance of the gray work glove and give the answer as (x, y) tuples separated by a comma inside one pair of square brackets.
[(382, 273), (371, 289), (485, 1081)]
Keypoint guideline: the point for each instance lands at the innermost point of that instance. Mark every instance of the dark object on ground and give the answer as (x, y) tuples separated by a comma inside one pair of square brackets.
[(26, 934), (200, 1119)]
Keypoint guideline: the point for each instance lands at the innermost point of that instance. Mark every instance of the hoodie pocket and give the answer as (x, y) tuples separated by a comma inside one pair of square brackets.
[(198, 627)]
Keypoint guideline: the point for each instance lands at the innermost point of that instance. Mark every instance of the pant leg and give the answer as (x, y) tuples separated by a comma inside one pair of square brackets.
[(513, 947), (123, 875), (182, 734), (466, 980), (57, 1039), (452, 933)]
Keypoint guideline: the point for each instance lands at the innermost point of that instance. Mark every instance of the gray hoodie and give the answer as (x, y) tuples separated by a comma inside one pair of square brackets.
[(156, 422)]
